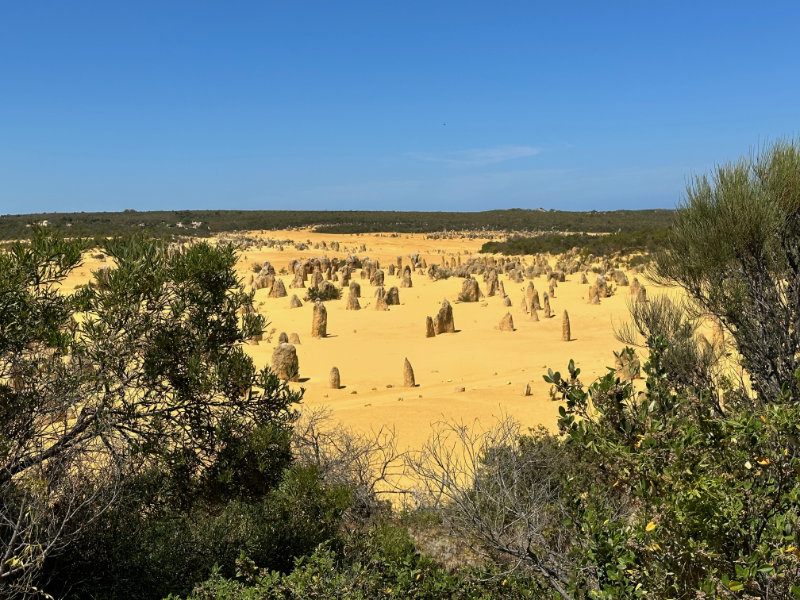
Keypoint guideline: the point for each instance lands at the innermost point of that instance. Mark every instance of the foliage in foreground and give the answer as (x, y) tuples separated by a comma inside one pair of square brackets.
[(689, 486), (735, 249), (707, 498), (147, 549), (683, 488), (130, 397), (379, 564)]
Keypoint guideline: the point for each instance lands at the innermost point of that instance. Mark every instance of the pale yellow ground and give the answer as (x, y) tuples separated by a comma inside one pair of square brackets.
[(369, 346), (493, 366)]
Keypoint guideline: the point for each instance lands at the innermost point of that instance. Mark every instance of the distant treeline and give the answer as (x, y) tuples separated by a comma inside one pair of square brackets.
[(206, 222), (645, 240)]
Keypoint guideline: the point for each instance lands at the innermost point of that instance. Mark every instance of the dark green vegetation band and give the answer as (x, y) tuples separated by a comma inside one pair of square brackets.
[(640, 240), (163, 223)]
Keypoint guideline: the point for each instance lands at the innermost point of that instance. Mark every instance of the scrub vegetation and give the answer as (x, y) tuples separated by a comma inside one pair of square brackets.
[(196, 223)]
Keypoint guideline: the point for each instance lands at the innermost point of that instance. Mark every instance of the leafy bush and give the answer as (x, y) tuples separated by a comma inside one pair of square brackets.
[(141, 373), (735, 249), (637, 240), (679, 488), (145, 551), (323, 293), (712, 502), (382, 564), (642, 260)]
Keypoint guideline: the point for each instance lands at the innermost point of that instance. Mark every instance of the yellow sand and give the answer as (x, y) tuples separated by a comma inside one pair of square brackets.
[(492, 366)]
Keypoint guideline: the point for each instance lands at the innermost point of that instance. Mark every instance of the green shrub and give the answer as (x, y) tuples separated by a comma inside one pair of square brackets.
[(146, 551), (323, 293), (712, 502), (381, 564), (638, 240), (162, 223), (640, 260), (162, 416), (734, 248)]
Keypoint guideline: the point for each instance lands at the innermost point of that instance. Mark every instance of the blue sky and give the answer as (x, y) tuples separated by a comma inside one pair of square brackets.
[(385, 105)]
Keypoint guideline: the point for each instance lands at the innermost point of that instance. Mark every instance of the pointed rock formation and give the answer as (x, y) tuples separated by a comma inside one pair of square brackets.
[(284, 362), (319, 323), (470, 292), (602, 286), (443, 323), (393, 296), (408, 375), (429, 330), (377, 278), (335, 379), (299, 279), (278, 289), (352, 303)]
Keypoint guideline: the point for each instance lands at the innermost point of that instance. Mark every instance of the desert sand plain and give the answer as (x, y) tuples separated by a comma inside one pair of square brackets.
[(368, 346)]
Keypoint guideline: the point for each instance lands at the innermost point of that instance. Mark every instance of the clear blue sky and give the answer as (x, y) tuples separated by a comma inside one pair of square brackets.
[(385, 105)]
